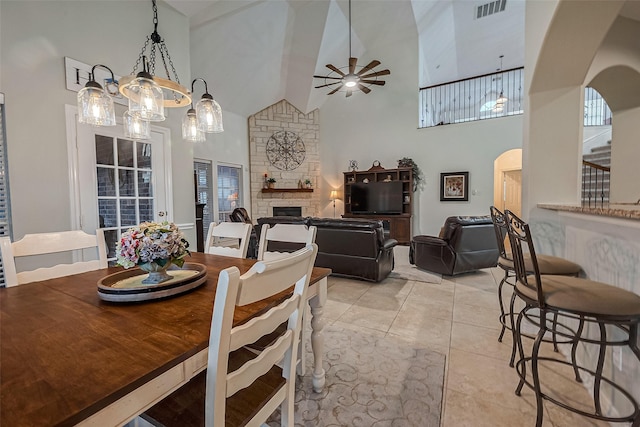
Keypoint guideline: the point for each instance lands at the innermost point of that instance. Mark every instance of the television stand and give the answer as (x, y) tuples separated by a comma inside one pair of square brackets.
[(399, 225)]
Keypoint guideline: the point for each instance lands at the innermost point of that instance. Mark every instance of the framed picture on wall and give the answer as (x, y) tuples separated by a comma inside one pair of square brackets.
[(454, 186)]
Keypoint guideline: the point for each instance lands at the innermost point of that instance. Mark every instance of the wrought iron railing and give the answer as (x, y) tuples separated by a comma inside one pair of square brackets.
[(595, 185), (478, 98)]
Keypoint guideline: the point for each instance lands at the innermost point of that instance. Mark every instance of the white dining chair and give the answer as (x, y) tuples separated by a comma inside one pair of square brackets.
[(228, 239), (284, 233), (51, 243), (239, 388)]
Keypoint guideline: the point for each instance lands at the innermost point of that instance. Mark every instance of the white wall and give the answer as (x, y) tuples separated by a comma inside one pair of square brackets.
[(35, 36)]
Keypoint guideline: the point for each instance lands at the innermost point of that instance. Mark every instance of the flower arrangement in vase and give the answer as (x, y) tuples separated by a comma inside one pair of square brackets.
[(153, 247), (271, 182)]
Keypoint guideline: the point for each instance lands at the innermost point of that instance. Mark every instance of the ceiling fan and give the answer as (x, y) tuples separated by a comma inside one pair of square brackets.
[(353, 77)]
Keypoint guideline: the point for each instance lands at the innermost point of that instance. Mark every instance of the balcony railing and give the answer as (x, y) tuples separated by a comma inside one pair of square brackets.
[(483, 97)]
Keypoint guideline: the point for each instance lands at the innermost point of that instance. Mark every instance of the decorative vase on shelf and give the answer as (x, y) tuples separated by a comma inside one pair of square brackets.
[(157, 273)]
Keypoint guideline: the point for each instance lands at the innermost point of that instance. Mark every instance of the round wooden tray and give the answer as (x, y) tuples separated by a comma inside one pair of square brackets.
[(126, 286)]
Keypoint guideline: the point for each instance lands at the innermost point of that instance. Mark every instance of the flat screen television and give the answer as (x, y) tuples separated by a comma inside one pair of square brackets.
[(376, 198)]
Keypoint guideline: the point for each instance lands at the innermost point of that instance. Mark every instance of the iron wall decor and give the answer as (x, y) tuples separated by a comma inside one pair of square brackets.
[(454, 186), (285, 150)]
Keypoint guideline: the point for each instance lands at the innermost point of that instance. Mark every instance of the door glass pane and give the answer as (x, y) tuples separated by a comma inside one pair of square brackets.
[(145, 188), (106, 182), (125, 152), (127, 183), (104, 150), (111, 237), (146, 209), (128, 215), (108, 213), (144, 155)]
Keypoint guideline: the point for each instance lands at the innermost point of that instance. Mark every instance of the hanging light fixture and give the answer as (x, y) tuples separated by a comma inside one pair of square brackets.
[(353, 78), (135, 127), (190, 131), (95, 106), (501, 98), (208, 111), (144, 90)]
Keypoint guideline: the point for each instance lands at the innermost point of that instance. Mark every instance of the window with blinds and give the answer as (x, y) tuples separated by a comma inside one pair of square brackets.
[(5, 206), (204, 191), (229, 190)]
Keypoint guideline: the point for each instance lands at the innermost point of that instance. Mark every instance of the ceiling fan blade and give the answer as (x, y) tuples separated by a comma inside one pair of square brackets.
[(335, 69), (369, 66), (373, 82), (328, 77), (352, 65), (364, 88), (348, 93), (335, 90), (325, 85), (379, 73)]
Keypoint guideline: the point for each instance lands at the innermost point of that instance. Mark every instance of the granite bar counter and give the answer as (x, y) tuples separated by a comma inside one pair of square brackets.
[(621, 210)]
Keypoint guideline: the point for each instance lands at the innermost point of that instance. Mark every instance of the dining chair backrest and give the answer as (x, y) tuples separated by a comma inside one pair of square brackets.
[(51, 243), (228, 239), (264, 279), (501, 229), (284, 233)]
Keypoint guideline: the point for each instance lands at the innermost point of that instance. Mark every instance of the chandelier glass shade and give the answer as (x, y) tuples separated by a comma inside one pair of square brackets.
[(146, 99), (95, 106), (209, 115), (135, 127), (206, 117), (190, 131)]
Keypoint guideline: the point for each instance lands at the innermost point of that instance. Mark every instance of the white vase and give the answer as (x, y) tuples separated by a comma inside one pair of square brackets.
[(157, 273)]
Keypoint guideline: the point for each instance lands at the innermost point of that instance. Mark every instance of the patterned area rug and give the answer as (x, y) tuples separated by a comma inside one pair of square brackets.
[(403, 270), (371, 381)]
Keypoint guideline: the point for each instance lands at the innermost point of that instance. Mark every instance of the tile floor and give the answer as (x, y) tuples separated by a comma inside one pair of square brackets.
[(457, 317)]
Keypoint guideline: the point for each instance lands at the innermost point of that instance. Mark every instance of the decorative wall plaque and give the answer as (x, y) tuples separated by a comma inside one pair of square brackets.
[(285, 150)]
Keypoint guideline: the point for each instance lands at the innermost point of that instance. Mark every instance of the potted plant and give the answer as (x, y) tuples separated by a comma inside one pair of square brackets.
[(271, 182), (307, 183), (407, 162)]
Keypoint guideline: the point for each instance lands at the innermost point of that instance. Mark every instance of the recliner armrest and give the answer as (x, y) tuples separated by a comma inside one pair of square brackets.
[(430, 240), (389, 243)]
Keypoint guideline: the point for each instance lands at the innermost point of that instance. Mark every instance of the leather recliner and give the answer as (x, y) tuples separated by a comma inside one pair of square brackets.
[(355, 248), (466, 243)]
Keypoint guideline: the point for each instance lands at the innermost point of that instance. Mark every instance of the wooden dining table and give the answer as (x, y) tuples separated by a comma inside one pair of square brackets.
[(69, 358)]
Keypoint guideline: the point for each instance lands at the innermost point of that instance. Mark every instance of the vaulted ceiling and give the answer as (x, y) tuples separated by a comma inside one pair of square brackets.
[(261, 51)]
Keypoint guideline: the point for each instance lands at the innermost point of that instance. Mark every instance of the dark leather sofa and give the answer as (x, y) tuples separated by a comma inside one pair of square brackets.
[(466, 243), (354, 248)]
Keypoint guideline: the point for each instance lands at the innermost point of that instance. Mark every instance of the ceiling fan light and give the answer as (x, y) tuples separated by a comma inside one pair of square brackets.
[(209, 115), (146, 99), (501, 99), (95, 106), (136, 128), (350, 80), (190, 131)]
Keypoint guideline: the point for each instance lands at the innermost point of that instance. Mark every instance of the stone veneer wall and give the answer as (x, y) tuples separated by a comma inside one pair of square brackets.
[(282, 116)]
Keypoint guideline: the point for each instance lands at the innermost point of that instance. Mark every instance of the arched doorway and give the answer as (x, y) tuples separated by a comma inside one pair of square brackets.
[(507, 181)]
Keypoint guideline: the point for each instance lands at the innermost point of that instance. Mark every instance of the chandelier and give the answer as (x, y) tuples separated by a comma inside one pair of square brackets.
[(205, 118)]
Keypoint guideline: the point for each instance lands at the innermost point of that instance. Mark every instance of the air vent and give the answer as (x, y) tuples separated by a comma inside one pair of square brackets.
[(490, 8)]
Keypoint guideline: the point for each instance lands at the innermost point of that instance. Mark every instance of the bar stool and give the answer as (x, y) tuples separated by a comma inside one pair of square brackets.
[(584, 300), (547, 264)]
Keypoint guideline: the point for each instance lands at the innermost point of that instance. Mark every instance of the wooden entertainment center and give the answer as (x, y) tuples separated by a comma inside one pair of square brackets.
[(399, 224)]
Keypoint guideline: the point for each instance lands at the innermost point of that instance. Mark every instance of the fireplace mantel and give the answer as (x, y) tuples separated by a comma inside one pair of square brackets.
[(287, 190)]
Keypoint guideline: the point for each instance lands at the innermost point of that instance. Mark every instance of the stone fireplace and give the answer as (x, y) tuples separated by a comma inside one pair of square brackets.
[(264, 128)]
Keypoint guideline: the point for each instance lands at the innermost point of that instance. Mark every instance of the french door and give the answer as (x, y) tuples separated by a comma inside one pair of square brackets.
[(120, 182)]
